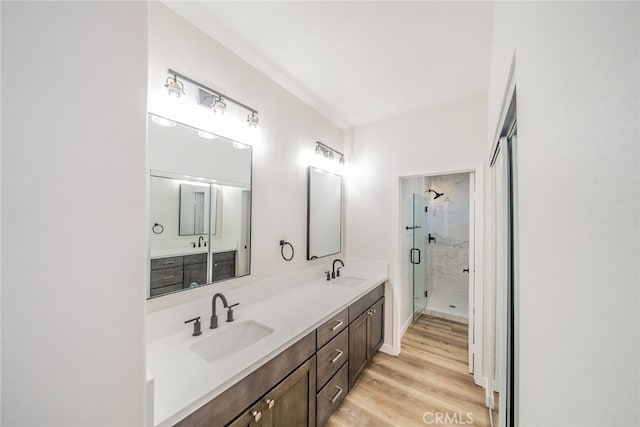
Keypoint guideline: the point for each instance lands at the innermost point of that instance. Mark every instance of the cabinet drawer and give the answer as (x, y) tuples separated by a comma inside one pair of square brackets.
[(331, 357), (157, 264), (332, 395), (332, 327), (166, 277), (360, 306), (195, 259), (165, 290), (224, 256)]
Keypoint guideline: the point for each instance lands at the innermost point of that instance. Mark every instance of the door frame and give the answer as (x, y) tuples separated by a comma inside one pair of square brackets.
[(476, 288)]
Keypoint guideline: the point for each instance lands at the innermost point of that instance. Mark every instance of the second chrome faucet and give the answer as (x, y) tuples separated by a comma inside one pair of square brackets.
[(214, 316)]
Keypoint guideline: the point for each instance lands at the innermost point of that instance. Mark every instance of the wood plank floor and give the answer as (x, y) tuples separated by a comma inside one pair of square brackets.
[(430, 377)]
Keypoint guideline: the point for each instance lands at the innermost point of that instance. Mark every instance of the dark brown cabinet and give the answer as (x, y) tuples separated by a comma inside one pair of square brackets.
[(332, 395), (195, 270), (224, 265), (251, 418), (307, 382), (288, 381), (166, 275), (179, 272), (366, 335), (290, 403)]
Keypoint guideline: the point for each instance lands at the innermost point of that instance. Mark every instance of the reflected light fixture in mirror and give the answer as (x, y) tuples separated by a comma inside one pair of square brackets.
[(240, 146), (206, 135), (163, 122)]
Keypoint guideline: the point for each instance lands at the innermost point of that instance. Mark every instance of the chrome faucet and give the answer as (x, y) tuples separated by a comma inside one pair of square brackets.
[(200, 240), (333, 268), (214, 316)]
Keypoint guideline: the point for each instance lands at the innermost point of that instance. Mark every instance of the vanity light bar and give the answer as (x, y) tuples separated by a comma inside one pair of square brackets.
[(328, 152), (217, 96)]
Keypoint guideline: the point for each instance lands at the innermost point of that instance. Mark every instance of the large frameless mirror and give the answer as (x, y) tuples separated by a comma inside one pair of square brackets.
[(324, 213), (199, 207)]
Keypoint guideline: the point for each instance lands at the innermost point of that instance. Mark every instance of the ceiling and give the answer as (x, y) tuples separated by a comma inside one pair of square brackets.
[(358, 62)]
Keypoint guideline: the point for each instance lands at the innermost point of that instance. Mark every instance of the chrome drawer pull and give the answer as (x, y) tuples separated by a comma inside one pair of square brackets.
[(256, 415), (334, 398), (270, 403), (167, 277), (340, 323), (168, 262), (335, 359)]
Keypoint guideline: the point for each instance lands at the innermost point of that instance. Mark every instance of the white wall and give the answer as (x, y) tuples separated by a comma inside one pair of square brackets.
[(73, 213), (577, 68), (288, 129), (451, 137)]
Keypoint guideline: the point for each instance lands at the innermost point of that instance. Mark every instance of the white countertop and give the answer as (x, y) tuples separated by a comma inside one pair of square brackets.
[(184, 381)]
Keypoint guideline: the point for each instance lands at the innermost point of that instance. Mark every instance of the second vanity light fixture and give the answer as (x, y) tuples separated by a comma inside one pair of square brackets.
[(329, 153), (207, 97)]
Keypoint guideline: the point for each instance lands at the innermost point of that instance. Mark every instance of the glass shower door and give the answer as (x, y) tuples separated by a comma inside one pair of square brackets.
[(418, 256)]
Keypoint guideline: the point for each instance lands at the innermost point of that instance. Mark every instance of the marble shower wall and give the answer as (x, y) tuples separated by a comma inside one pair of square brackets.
[(448, 222)]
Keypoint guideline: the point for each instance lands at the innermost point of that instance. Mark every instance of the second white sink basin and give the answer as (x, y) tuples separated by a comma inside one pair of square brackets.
[(230, 340), (348, 281)]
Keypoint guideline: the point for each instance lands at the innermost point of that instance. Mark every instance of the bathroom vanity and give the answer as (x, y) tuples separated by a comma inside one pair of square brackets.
[(305, 383), (319, 338)]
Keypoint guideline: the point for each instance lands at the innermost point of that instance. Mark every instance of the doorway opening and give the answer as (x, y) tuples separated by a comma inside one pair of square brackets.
[(438, 223)]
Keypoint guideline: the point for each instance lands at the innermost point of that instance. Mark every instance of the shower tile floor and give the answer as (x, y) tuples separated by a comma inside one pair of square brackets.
[(440, 306)]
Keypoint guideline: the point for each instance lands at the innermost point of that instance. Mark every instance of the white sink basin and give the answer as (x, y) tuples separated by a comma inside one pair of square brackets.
[(348, 281), (230, 340)]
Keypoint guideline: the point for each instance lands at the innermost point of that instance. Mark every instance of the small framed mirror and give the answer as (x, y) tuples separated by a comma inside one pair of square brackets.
[(324, 213), (194, 209)]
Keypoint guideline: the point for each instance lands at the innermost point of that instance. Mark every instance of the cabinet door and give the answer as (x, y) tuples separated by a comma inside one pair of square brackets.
[(357, 348), (292, 403), (375, 328), (195, 273), (251, 418)]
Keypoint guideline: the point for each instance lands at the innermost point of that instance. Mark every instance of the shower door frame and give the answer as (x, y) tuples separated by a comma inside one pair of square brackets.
[(476, 242), (422, 259)]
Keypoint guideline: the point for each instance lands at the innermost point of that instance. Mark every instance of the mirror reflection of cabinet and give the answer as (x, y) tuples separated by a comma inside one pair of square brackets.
[(199, 209), (324, 213)]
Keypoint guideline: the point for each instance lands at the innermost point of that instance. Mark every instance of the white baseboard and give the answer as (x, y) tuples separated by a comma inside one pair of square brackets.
[(405, 326), (388, 349), (488, 394)]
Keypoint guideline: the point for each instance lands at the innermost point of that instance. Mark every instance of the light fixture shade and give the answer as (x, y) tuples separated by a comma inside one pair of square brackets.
[(219, 105), (174, 87), (252, 119), (162, 121), (329, 153), (206, 135), (240, 146)]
